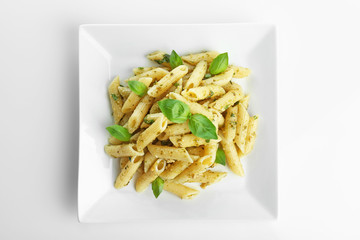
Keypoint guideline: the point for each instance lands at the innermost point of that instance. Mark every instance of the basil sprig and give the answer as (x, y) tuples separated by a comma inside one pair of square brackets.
[(138, 88), (220, 157), (119, 132), (175, 60), (219, 64), (174, 110), (157, 186), (202, 127), (178, 112)]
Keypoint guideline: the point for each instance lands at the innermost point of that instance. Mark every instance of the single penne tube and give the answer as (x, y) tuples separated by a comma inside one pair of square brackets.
[(124, 92), (240, 72), (175, 129), (204, 92), (241, 127), (197, 167), (251, 134), (133, 100), (174, 169), (115, 100), (220, 79), (139, 113), (167, 81), (227, 100), (151, 118), (210, 149), (125, 119), (232, 159), (194, 59), (147, 178), (128, 171), (166, 152), (188, 140), (160, 57), (180, 190), (245, 101), (149, 160), (151, 133), (198, 151), (140, 70), (231, 121), (232, 86), (194, 107), (207, 178), (123, 150), (156, 74), (197, 75)]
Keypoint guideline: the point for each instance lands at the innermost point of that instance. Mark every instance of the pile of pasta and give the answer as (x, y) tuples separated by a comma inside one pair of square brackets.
[(161, 148)]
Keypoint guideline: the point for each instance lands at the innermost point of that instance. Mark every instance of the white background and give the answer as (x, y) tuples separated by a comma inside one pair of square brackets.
[(319, 117)]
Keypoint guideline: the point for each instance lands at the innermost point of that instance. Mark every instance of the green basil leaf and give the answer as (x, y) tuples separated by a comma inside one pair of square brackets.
[(175, 60), (119, 132), (174, 110), (220, 157), (202, 127), (114, 97), (219, 64), (138, 88), (157, 186)]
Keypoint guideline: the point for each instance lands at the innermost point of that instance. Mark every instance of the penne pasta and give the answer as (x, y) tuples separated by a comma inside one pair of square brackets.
[(251, 134), (167, 81), (241, 127), (180, 190), (150, 134), (198, 151), (133, 100), (220, 79), (232, 86), (115, 100), (194, 59), (128, 171), (197, 167), (207, 178), (146, 178), (139, 113), (167, 152), (245, 101), (231, 121), (204, 92), (227, 100), (149, 160), (174, 169), (188, 140), (210, 149), (156, 74), (232, 159), (123, 150), (175, 129), (160, 148), (140, 70), (240, 72), (197, 75)]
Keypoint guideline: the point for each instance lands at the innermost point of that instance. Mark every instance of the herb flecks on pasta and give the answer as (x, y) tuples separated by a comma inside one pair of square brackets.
[(177, 120)]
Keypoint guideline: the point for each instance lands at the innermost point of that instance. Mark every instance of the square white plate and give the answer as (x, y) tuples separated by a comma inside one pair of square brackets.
[(110, 50)]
